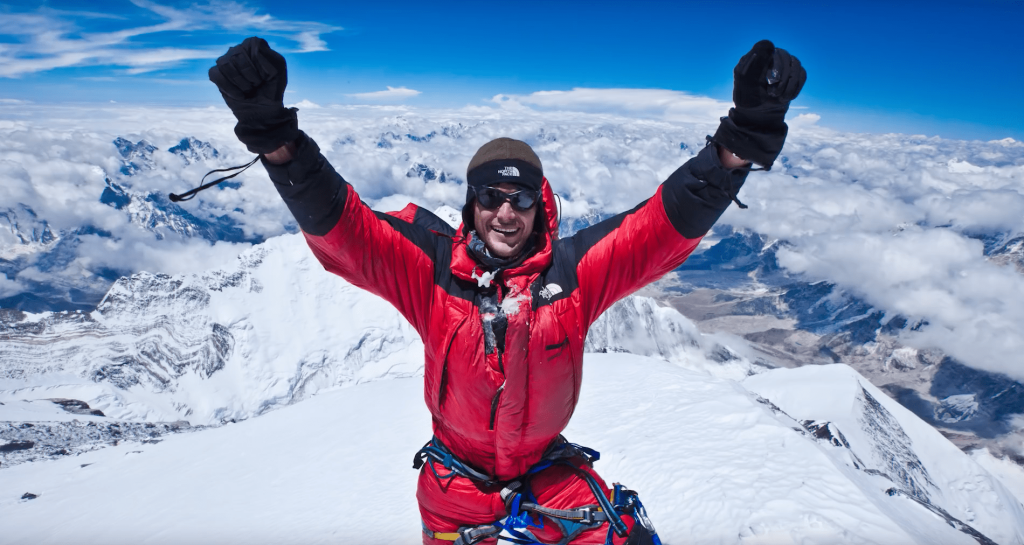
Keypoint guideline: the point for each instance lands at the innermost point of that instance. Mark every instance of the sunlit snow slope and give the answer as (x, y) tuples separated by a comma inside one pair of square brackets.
[(268, 330), (714, 465), (222, 345)]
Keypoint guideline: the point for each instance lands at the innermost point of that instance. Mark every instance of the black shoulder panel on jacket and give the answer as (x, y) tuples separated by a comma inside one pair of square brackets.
[(559, 280), (426, 219), (697, 193), (311, 188), (425, 240), (457, 287), (443, 277), (438, 247), (433, 236)]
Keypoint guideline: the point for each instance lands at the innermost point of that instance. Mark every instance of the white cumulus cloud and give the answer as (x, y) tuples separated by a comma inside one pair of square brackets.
[(391, 93), (660, 103)]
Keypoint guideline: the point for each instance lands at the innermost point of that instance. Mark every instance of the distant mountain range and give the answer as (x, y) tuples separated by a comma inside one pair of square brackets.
[(736, 285), (40, 247), (121, 333)]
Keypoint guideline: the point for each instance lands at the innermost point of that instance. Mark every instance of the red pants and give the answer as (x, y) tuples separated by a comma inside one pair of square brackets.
[(449, 504)]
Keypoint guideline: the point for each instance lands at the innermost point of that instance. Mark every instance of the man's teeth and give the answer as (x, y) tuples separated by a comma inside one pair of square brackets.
[(505, 231)]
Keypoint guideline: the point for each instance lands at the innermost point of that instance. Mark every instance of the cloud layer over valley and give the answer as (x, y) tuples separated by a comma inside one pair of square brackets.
[(919, 227)]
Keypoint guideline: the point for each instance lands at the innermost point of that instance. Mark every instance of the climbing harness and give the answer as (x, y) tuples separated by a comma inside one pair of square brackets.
[(525, 512)]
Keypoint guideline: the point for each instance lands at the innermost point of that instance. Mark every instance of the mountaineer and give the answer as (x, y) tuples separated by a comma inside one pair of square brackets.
[(503, 305)]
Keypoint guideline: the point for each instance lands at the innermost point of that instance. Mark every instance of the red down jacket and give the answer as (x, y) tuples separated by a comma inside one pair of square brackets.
[(500, 413)]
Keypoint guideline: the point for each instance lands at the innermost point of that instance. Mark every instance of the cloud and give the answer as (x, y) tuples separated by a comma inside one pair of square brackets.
[(9, 287), (310, 41), (803, 120), (392, 93), (658, 103), (901, 221), (48, 39), (305, 105), (156, 59), (974, 308)]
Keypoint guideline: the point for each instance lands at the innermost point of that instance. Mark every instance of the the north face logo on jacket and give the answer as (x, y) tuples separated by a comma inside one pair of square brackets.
[(509, 171)]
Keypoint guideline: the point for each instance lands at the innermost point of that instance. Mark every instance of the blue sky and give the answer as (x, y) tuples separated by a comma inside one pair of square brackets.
[(949, 68)]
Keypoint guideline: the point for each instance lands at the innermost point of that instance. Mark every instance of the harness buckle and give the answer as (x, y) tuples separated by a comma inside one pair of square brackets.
[(474, 534), (509, 493), (587, 514)]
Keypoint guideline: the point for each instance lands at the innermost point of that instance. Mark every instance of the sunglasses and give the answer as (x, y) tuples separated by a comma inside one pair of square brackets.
[(492, 198)]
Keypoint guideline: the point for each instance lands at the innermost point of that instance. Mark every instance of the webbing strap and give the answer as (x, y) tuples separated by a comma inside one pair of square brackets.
[(469, 536), (435, 451), (586, 515), (614, 520)]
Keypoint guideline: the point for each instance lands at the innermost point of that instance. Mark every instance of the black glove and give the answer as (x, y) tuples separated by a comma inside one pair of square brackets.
[(251, 77), (764, 82)]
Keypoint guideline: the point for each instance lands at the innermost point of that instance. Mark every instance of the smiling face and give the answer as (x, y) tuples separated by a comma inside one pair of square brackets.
[(504, 230)]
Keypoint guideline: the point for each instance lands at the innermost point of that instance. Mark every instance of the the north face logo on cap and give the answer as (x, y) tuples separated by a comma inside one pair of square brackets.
[(509, 171)]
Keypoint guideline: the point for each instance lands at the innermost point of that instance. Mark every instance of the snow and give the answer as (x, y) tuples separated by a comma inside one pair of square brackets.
[(330, 412), (712, 464), (226, 344), (890, 439), (956, 408), (333, 469), (1008, 473), (40, 410), (331, 409)]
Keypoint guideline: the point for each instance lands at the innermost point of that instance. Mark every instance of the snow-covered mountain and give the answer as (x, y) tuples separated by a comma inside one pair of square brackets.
[(30, 243), (228, 344), (714, 462), (152, 210), (897, 255), (874, 434), (269, 330), (165, 354), (736, 284)]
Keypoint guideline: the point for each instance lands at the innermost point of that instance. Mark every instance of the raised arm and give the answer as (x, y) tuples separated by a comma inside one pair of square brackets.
[(385, 255), (624, 253)]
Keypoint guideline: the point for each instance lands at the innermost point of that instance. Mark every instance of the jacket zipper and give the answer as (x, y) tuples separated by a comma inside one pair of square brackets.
[(501, 367), (444, 368), (494, 405)]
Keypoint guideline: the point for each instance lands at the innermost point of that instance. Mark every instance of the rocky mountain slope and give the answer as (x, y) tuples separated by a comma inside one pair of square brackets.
[(735, 285)]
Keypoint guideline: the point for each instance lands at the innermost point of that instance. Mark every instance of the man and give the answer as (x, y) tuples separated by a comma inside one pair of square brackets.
[(502, 304)]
